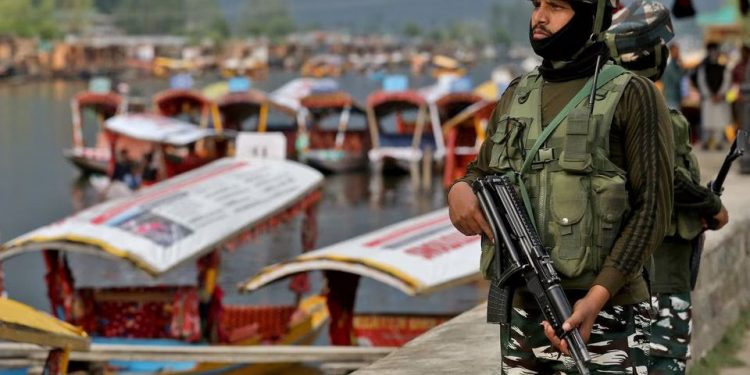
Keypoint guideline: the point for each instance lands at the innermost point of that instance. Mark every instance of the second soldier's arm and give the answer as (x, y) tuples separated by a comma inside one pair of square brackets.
[(643, 128), (698, 199)]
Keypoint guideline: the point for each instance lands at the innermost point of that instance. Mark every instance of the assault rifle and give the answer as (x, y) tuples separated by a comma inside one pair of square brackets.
[(524, 256), (737, 149), (717, 187)]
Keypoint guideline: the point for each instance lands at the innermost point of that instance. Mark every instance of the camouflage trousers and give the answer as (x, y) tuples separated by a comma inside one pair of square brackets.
[(670, 333), (619, 343)]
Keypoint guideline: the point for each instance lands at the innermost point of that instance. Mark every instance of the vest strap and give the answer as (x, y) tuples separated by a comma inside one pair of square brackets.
[(609, 72)]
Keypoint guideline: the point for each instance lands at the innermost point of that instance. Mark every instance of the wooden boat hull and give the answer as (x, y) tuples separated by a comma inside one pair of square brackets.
[(302, 333), (392, 329), (332, 161), (89, 160)]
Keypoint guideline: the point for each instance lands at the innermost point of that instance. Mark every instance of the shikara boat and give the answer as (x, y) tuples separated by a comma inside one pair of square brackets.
[(166, 145), (404, 124), (336, 128), (187, 105), (287, 100), (243, 111), (464, 134), (240, 108), (418, 256), (150, 269), (400, 128), (23, 324), (92, 157), (321, 66), (446, 66)]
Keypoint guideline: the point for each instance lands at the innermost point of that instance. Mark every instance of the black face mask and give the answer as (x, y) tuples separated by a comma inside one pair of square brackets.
[(562, 45)]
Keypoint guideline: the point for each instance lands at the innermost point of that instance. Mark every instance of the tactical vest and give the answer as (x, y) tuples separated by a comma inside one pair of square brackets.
[(684, 224), (576, 196)]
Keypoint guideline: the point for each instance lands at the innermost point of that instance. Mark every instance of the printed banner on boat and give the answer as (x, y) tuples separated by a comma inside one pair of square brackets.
[(184, 216), (417, 256)]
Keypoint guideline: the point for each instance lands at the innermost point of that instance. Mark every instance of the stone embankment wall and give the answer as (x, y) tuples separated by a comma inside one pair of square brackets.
[(467, 345)]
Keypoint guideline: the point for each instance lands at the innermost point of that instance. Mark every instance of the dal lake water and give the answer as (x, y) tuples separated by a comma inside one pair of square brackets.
[(38, 186)]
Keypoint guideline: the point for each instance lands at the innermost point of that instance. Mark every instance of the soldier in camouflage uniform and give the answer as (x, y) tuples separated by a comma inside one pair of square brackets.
[(598, 186), (695, 206)]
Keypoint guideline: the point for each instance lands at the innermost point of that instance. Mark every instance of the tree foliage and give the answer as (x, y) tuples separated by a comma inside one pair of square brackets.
[(28, 18), (412, 30), (269, 18), (194, 18), (74, 16)]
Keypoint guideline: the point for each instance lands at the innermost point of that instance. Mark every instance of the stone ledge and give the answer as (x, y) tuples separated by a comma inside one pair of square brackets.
[(466, 344)]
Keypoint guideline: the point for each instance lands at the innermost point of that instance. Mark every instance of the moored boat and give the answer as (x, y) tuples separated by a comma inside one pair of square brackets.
[(418, 256), (464, 134), (400, 128), (147, 269), (336, 128), (323, 66), (186, 104), (92, 156), (287, 100), (156, 147), (24, 324), (407, 124)]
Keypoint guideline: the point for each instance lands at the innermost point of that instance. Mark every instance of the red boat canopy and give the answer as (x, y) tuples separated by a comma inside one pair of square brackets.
[(335, 100), (169, 102), (385, 102), (106, 104)]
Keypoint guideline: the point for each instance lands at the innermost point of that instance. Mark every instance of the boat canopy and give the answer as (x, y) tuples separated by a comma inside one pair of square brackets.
[(386, 102), (159, 129), (417, 256), (22, 323), (236, 107), (252, 97), (336, 99), (106, 103), (287, 98), (163, 226), (457, 100), (170, 101), (481, 109)]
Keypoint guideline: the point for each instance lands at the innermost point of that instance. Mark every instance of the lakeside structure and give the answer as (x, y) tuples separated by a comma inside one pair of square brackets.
[(164, 55)]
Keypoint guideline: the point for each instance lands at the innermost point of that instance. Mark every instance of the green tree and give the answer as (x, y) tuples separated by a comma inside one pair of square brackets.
[(74, 16), (151, 17), (203, 19), (27, 18), (500, 35), (267, 18), (106, 6), (412, 30), (466, 32)]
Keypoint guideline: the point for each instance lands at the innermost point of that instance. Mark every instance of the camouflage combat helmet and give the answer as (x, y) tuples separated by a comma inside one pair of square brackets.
[(638, 37)]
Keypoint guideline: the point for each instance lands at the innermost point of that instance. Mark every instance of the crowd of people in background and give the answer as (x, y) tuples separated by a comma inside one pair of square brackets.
[(721, 80)]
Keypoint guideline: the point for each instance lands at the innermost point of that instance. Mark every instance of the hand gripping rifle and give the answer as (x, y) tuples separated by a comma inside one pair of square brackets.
[(525, 256), (717, 187)]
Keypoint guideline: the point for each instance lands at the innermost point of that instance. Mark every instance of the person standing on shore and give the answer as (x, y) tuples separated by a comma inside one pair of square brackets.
[(714, 80), (695, 206), (600, 191)]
